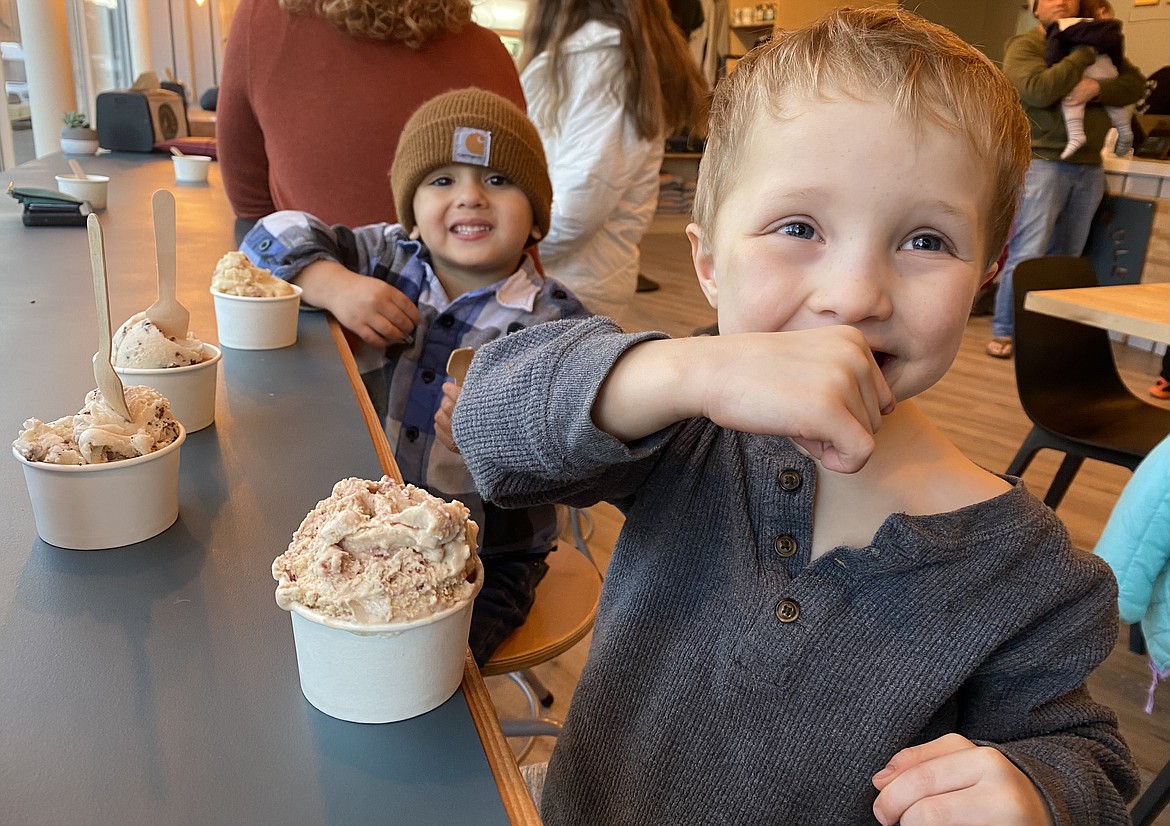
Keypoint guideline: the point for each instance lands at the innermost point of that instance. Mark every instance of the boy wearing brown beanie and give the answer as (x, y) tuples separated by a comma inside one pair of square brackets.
[(472, 190)]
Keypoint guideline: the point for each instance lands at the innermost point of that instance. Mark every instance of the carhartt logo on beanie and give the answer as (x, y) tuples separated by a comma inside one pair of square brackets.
[(476, 127)]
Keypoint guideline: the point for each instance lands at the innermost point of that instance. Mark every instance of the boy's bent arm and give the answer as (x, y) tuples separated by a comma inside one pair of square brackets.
[(821, 388), (522, 421), (340, 270)]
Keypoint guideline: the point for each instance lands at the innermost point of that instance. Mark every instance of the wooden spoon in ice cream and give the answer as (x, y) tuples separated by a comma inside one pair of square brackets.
[(107, 380), (166, 313)]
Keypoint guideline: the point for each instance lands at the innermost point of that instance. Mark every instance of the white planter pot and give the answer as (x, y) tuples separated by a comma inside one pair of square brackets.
[(76, 146)]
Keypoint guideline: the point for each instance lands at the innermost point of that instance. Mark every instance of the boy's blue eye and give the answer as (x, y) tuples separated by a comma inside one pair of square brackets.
[(498, 180), (441, 180), (926, 242), (799, 229)]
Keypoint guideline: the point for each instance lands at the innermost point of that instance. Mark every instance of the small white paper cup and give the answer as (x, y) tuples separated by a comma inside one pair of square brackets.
[(190, 389), (191, 169), (93, 507), (382, 673), (247, 323), (92, 188)]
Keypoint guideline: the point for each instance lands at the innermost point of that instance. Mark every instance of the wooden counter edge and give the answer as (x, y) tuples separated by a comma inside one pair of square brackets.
[(514, 794)]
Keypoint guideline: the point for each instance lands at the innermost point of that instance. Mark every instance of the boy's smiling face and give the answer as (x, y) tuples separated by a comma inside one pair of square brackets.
[(844, 213), (475, 223)]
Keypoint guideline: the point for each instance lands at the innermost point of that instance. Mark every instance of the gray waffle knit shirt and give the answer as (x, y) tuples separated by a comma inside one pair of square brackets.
[(699, 705)]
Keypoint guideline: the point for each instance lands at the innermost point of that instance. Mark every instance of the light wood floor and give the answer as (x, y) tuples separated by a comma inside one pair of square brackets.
[(976, 405)]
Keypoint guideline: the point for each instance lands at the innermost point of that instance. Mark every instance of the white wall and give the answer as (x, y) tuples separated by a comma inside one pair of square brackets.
[(1147, 33), (989, 24), (986, 25)]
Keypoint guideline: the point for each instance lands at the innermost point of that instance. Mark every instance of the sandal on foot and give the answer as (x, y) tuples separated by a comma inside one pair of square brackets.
[(1160, 389), (999, 348)]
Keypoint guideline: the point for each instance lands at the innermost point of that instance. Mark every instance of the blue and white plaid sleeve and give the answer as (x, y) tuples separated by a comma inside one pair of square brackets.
[(286, 242)]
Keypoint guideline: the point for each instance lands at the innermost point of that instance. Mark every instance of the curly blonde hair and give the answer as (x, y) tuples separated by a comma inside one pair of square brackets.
[(414, 22)]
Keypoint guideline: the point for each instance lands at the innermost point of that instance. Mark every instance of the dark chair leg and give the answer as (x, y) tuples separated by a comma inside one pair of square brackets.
[(1024, 455), (542, 693), (1064, 476), (1137, 640), (1154, 800)]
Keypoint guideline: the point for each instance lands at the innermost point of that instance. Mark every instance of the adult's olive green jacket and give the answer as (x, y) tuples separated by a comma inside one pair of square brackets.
[(1041, 88)]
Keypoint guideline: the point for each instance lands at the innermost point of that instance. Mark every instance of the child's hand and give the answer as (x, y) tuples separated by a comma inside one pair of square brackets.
[(1085, 90), (821, 388), (443, 417), (377, 313), (952, 781)]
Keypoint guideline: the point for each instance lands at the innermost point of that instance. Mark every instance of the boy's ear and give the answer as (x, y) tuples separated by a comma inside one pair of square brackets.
[(704, 264)]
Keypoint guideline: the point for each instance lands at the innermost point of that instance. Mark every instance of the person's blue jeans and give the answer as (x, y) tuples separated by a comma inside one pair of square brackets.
[(1054, 218)]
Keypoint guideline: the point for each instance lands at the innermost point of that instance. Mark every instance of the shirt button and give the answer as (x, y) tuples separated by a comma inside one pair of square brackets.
[(790, 480), (264, 245), (560, 294), (412, 433), (446, 321), (428, 376), (787, 610), (785, 545)]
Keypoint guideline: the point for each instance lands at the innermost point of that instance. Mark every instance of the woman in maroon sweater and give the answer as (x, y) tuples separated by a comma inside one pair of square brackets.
[(312, 102)]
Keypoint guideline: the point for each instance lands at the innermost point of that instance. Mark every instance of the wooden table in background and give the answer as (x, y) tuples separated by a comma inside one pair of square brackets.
[(1141, 310)]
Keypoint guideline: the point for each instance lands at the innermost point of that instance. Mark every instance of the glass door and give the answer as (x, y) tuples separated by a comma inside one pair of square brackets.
[(100, 35), (16, 143)]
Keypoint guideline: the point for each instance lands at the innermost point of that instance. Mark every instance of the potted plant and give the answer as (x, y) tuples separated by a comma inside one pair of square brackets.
[(77, 138)]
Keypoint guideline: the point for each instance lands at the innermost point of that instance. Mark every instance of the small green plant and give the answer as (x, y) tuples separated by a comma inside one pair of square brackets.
[(76, 120)]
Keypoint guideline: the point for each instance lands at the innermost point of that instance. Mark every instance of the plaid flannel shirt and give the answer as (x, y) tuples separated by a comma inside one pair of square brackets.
[(287, 242)]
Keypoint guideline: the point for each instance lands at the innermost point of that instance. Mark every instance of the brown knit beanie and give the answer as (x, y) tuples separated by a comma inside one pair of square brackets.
[(476, 127)]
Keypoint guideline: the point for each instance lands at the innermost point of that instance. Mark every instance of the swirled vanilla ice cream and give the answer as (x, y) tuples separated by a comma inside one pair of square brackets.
[(235, 274), (380, 579), (254, 310), (97, 434), (182, 369), (141, 344), (97, 480), (378, 552)]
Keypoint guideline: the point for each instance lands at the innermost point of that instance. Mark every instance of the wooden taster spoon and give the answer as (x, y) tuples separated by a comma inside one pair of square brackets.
[(458, 362), (107, 380), (167, 313), (78, 172)]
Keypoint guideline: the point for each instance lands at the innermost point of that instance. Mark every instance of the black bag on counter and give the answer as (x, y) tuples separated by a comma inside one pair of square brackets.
[(134, 121)]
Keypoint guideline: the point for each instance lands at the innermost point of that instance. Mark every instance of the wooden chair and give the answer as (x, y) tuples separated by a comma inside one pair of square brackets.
[(1069, 385), (561, 616)]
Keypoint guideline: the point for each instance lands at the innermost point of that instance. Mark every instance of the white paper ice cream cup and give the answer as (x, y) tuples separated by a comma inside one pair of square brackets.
[(190, 389), (382, 673), (92, 188), (247, 323), (191, 169), (109, 505)]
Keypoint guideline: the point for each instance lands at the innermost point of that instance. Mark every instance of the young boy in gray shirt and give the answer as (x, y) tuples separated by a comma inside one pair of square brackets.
[(818, 611)]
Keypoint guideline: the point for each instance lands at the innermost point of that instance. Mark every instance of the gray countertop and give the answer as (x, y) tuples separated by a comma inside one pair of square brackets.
[(157, 684)]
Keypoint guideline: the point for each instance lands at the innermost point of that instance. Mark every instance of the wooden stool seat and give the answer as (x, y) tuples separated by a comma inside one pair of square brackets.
[(562, 614)]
